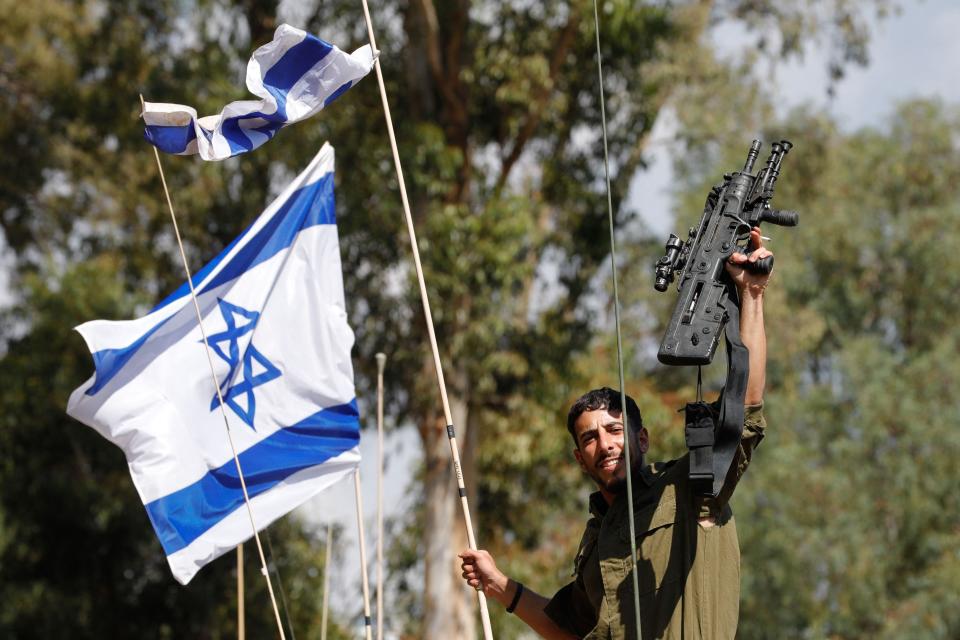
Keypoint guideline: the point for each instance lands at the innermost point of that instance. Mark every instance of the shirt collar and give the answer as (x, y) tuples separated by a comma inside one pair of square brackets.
[(599, 506)]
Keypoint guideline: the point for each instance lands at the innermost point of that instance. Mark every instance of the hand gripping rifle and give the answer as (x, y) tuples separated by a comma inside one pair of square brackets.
[(708, 306)]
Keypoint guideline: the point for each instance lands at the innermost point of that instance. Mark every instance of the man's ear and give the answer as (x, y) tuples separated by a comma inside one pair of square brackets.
[(579, 457), (644, 440)]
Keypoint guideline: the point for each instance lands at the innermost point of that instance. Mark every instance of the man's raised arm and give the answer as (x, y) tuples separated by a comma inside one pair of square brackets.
[(751, 286)]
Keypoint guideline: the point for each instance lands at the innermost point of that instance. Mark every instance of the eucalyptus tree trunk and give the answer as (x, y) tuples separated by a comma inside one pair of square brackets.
[(450, 606)]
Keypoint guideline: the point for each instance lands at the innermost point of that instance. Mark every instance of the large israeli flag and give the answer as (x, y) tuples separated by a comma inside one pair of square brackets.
[(295, 76), (273, 310)]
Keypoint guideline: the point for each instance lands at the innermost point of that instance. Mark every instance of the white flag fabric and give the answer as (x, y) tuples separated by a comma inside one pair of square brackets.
[(273, 309), (295, 76)]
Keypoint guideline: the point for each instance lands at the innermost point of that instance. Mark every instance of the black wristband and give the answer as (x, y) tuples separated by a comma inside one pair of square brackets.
[(516, 598)]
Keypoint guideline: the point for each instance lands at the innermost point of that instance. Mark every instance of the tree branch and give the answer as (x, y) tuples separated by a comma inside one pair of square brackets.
[(445, 71), (564, 41)]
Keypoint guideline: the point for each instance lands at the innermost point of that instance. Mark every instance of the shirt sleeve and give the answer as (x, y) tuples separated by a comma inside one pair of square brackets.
[(754, 426), (570, 609)]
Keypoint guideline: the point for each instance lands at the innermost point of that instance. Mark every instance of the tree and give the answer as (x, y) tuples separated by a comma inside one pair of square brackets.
[(91, 239), (499, 120)]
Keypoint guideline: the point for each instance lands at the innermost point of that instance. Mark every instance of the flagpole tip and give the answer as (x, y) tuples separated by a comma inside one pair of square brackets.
[(381, 361)]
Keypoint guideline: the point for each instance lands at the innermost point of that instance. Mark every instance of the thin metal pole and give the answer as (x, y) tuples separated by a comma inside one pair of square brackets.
[(241, 617), (454, 450), (326, 583), (367, 622), (216, 385), (381, 363), (283, 594), (616, 312)]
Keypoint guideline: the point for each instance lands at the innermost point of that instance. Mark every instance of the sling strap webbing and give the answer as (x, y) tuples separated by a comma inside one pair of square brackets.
[(713, 442)]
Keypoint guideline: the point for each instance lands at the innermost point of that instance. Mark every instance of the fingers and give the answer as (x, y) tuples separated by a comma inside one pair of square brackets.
[(470, 569), (471, 576), (756, 250), (738, 258)]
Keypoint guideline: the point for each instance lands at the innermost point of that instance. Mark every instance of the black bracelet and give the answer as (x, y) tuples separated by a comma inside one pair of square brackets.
[(516, 598)]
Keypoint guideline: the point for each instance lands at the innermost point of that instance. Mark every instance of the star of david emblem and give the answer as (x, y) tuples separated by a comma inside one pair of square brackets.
[(255, 368)]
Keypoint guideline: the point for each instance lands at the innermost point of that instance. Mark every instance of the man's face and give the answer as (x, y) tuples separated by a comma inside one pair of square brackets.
[(600, 451)]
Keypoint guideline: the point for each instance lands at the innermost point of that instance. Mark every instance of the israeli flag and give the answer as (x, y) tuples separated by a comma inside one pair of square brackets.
[(273, 311), (295, 76)]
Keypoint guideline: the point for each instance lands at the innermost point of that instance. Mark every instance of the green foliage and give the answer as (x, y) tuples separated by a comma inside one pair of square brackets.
[(78, 556), (498, 126)]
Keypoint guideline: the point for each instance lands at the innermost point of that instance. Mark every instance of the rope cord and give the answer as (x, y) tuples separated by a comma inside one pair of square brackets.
[(216, 385), (241, 614), (454, 450), (616, 311)]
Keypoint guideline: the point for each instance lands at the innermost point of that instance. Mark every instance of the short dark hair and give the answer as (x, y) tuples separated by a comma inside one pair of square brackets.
[(603, 398)]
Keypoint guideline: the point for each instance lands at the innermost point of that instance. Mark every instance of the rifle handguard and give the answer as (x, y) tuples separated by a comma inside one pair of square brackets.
[(783, 218)]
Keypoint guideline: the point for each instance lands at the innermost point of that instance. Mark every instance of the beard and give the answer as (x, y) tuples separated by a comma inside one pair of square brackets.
[(617, 484)]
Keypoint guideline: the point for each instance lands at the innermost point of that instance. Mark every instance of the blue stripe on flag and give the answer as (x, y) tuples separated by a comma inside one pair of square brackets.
[(184, 289), (234, 135), (109, 362), (291, 67), (238, 137), (312, 205), (339, 92), (170, 139), (183, 516), (295, 63), (307, 207), (269, 129)]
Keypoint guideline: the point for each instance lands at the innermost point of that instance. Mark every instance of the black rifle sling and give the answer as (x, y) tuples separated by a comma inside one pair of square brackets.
[(730, 426), (714, 443)]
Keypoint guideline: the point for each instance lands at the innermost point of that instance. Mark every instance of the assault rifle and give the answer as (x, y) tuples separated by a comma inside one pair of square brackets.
[(733, 208), (708, 302)]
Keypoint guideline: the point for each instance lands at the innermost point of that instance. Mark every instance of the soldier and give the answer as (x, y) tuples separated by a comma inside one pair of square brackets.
[(688, 553)]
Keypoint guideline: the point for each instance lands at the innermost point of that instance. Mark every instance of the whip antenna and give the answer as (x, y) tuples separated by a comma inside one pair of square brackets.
[(616, 315)]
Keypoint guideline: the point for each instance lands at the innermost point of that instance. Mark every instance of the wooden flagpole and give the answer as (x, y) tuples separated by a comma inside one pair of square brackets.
[(367, 622), (381, 363), (454, 450), (326, 582)]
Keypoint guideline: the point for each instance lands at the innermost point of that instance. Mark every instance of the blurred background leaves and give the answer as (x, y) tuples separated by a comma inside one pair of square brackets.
[(847, 519)]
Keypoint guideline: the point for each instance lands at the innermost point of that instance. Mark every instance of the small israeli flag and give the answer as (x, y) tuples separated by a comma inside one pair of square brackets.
[(273, 308), (295, 76)]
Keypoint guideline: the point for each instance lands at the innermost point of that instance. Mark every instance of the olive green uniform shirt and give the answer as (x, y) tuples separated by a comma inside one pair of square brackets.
[(689, 574)]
